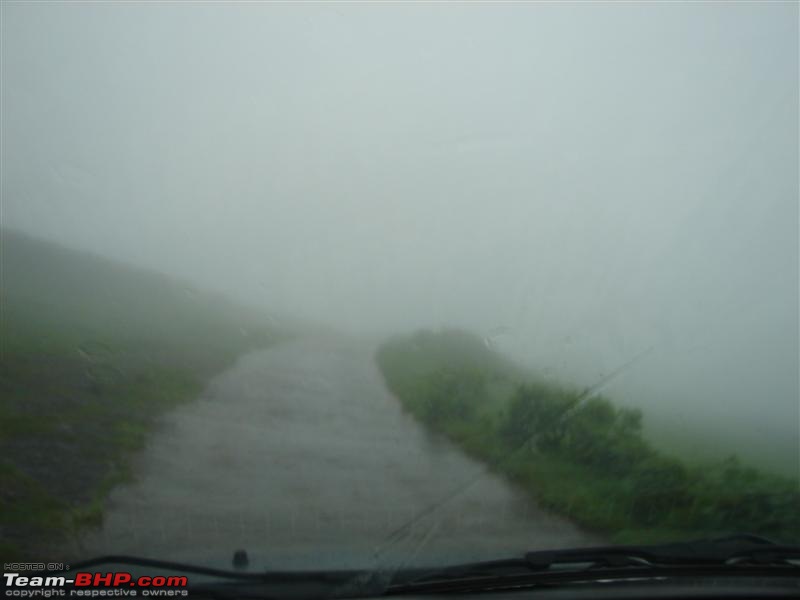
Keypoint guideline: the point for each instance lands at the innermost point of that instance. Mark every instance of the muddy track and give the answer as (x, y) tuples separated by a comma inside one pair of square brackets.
[(299, 455)]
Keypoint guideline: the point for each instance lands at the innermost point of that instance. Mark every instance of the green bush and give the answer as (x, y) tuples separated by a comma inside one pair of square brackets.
[(448, 395), (585, 459), (659, 486), (605, 438), (730, 495), (533, 417)]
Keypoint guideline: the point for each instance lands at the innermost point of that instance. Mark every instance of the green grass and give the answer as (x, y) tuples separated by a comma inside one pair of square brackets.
[(92, 431), (594, 467), (26, 507), (91, 354)]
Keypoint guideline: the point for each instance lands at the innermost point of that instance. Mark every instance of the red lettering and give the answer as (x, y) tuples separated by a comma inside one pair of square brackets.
[(82, 579)]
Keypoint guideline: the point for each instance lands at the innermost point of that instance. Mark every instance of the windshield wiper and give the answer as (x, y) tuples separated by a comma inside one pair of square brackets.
[(734, 549), (737, 555)]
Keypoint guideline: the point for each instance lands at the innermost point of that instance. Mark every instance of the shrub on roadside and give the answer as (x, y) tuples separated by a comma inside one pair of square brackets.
[(451, 395), (584, 459)]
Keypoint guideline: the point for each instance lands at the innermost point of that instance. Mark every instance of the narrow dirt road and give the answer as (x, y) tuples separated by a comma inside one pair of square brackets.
[(299, 455)]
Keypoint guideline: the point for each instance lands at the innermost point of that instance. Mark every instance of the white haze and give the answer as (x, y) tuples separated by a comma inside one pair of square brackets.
[(598, 178)]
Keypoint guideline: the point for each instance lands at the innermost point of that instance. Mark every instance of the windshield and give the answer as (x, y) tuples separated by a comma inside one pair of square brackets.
[(361, 285)]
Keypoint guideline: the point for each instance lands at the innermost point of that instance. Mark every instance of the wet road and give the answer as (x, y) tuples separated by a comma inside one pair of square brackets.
[(299, 455)]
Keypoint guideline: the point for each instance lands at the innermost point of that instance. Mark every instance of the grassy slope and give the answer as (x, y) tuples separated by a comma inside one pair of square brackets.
[(599, 471), (91, 352)]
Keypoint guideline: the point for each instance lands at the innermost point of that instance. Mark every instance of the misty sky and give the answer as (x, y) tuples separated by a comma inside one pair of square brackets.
[(598, 178)]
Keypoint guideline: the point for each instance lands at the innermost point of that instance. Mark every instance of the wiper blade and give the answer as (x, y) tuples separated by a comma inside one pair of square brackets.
[(734, 549), (735, 555)]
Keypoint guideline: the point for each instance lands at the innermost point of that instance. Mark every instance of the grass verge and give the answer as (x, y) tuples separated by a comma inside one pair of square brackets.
[(92, 352), (583, 458)]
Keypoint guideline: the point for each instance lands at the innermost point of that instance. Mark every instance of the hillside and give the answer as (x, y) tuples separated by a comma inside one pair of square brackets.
[(91, 351), (577, 453)]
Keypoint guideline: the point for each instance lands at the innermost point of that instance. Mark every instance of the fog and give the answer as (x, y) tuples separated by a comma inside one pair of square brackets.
[(578, 182)]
